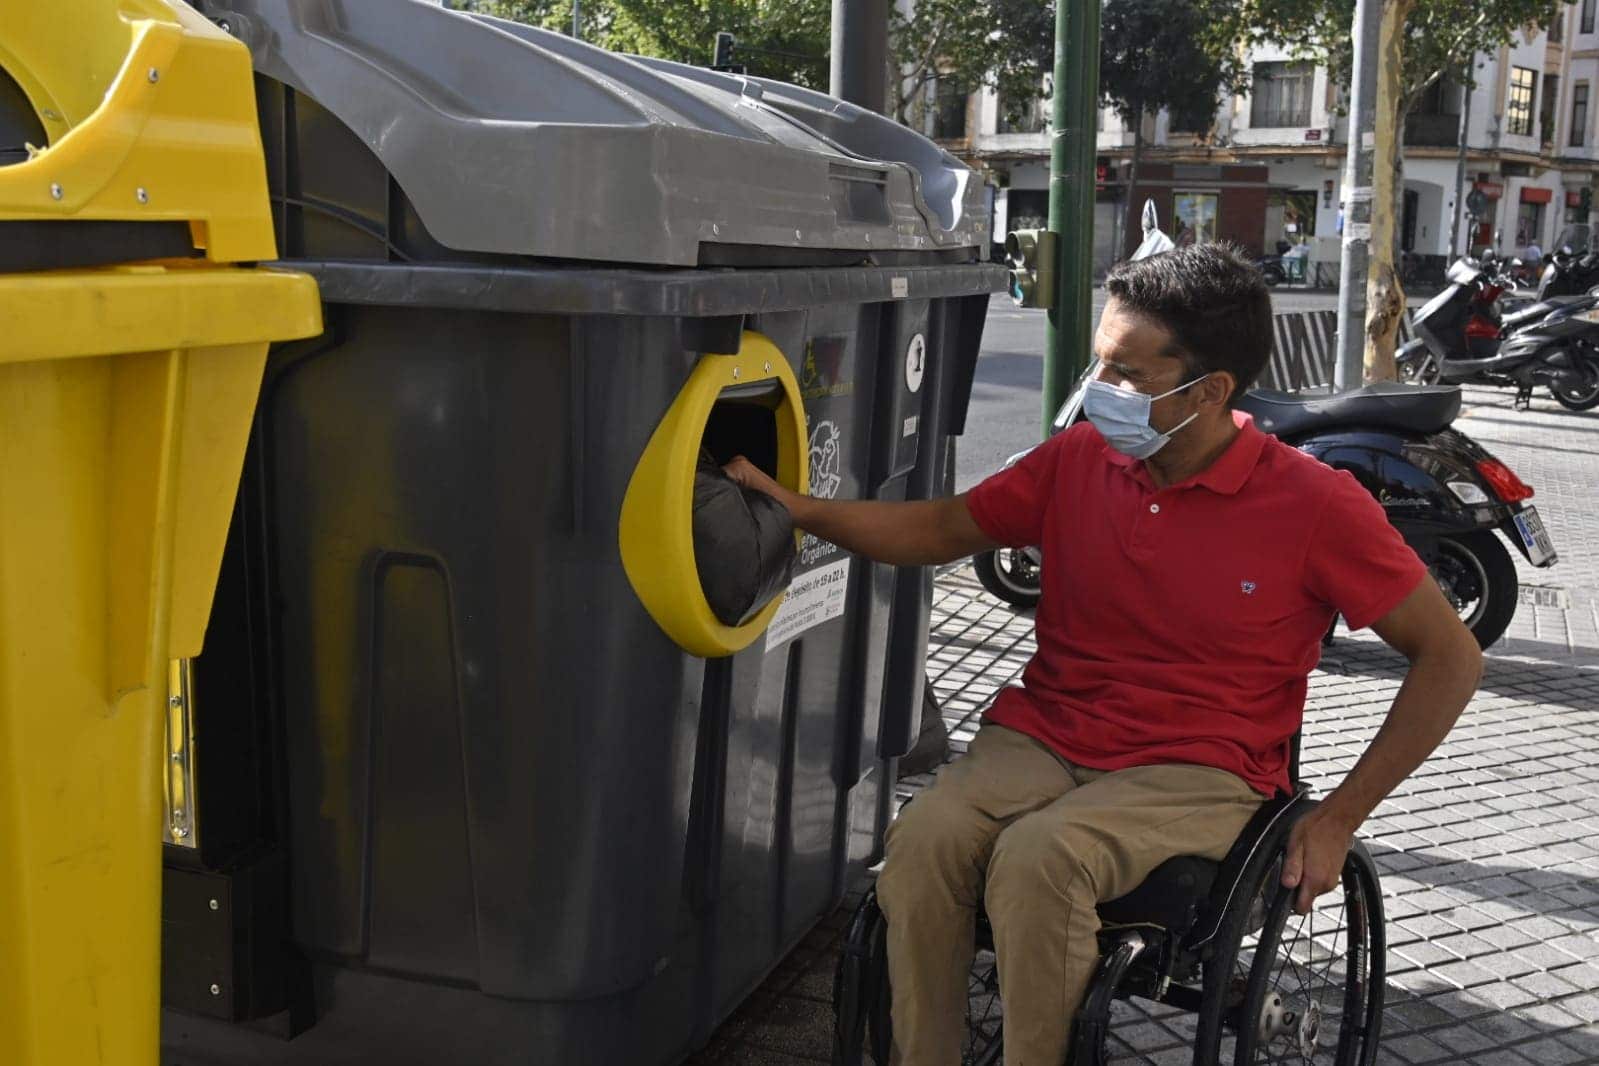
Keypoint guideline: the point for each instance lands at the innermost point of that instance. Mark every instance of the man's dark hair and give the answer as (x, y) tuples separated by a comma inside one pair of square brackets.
[(1211, 299)]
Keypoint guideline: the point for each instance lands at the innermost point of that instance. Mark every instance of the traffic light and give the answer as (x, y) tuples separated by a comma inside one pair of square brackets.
[(1586, 199), (1031, 255), (723, 55)]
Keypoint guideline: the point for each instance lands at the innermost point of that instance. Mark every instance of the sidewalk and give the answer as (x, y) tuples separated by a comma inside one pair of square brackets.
[(1489, 853)]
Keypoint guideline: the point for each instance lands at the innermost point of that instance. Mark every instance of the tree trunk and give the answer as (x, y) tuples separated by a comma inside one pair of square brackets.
[(1134, 219), (1385, 297)]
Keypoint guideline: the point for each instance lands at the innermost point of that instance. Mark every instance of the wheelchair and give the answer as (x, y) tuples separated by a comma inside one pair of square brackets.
[(1219, 940)]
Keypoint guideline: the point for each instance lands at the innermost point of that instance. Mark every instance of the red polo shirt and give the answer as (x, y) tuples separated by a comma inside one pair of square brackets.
[(1179, 625)]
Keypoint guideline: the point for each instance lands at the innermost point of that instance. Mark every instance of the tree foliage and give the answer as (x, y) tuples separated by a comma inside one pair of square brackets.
[(1440, 40), (1006, 44), (1002, 44), (1160, 54), (785, 40)]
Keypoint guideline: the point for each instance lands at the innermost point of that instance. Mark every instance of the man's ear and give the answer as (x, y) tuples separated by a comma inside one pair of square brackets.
[(1217, 388)]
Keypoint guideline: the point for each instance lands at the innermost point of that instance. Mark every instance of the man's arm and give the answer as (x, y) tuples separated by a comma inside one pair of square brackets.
[(916, 533), (1445, 667)]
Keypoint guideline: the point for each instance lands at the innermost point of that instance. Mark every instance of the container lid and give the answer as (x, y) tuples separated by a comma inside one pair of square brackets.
[(127, 132), (513, 140)]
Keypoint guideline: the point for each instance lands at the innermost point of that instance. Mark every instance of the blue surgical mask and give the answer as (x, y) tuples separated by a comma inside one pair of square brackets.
[(1122, 417)]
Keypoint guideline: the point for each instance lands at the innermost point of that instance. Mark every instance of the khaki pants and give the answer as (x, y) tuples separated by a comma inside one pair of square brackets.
[(1038, 841)]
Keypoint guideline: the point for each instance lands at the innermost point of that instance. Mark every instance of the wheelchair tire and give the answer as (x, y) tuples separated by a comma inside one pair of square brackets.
[(862, 998), (1247, 962), (861, 991), (1292, 989)]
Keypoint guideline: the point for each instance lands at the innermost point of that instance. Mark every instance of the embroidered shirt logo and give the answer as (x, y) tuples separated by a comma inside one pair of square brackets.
[(1248, 587)]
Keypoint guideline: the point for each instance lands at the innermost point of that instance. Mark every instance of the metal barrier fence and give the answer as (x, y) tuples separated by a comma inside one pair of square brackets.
[(1304, 347)]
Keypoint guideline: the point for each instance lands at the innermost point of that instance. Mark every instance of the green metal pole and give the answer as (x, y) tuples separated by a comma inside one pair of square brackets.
[(1071, 198)]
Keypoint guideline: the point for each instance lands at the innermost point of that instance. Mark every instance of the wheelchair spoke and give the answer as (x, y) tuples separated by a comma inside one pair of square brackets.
[(984, 1013), (1308, 987), (1333, 953)]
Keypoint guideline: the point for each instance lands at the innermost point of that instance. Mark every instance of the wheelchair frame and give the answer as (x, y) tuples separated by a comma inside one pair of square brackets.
[(1150, 949)]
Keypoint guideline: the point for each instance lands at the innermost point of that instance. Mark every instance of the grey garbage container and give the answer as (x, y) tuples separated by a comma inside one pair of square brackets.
[(509, 799)]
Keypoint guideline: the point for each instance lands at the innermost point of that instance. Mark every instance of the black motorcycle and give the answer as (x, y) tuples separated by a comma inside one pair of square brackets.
[(1445, 494), (1568, 273), (1460, 339)]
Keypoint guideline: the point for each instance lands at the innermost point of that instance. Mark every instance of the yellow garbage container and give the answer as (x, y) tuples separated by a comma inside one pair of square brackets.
[(131, 352)]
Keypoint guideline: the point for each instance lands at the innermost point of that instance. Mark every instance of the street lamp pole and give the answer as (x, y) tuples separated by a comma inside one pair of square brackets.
[(858, 72), (1067, 339), (1349, 369), (1460, 166)]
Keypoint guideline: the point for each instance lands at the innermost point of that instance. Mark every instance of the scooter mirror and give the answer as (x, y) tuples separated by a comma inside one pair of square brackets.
[(1072, 409)]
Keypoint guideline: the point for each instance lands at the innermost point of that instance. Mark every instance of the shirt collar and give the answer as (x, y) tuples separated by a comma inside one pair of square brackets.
[(1226, 475)]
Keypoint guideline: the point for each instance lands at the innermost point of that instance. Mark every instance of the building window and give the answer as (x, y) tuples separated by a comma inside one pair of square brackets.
[(1579, 114), (1587, 16), (1557, 23), (1194, 217), (1023, 116), (1529, 224), (949, 110), (1191, 119), (1280, 96), (1518, 113), (1546, 112)]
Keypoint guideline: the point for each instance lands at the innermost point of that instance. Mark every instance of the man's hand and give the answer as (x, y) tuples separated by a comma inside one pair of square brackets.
[(750, 476), (914, 533), (1315, 858), (1445, 665)]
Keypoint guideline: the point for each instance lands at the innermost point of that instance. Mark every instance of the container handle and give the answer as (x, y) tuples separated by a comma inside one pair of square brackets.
[(657, 526)]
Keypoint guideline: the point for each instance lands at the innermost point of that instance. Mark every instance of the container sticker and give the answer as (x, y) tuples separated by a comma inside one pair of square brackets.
[(915, 363), (814, 597), (910, 425), (827, 469), (827, 475), (899, 287)]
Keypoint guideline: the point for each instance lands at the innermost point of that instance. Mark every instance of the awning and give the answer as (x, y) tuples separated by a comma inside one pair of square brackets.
[(1532, 195)]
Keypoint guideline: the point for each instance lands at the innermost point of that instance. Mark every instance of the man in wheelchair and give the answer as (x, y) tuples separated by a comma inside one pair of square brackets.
[(1192, 566)]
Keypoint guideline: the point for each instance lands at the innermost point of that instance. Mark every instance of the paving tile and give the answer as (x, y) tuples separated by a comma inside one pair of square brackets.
[(1416, 1049), (1552, 1051), (1583, 1042)]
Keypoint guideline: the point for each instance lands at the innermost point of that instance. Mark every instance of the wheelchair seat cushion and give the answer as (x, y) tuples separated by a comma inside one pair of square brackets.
[(1168, 899)]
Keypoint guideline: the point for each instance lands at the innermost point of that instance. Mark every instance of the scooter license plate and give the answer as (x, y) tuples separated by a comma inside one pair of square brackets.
[(1540, 549)]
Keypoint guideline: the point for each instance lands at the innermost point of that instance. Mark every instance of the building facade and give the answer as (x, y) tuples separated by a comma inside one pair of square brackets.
[(1268, 172)]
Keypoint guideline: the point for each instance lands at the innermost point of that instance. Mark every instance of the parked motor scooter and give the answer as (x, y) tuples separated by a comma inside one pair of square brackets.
[(1568, 273), (1444, 493), (1459, 339)]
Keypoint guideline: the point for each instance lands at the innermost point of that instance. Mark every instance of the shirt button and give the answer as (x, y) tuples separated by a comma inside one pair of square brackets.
[(1154, 508)]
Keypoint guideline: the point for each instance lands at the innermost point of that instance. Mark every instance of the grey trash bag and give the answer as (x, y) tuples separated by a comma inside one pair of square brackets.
[(743, 544)]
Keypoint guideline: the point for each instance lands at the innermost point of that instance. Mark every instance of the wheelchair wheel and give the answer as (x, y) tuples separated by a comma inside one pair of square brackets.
[(1288, 988), (862, 997), (984, 1042), (1315, 990)]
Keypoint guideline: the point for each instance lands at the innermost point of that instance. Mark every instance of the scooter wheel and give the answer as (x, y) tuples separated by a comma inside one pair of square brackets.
[(1576, 399), (1477, 576), (1010, 575)]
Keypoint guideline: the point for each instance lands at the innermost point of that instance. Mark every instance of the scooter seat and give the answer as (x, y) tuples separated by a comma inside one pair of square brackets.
[(1386, 405), (1538, 310)]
